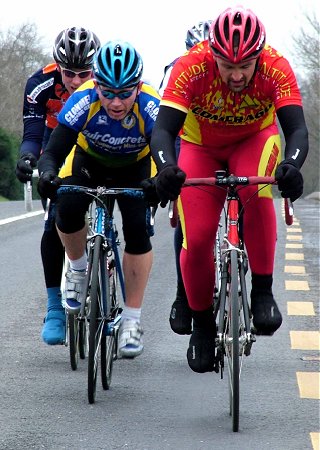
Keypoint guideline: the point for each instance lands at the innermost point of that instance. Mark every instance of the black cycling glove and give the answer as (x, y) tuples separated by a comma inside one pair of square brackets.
[(48, 185), (150, 193), (168, 184), (25, 166), (290, 180)]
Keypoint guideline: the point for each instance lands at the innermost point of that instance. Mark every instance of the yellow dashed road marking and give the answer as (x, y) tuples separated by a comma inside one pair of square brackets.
[(300, 309), (315, 440), (290, 245), (295, 269), (305, 340), (294, 256), (309, 383), (294, 237), (295, 285)]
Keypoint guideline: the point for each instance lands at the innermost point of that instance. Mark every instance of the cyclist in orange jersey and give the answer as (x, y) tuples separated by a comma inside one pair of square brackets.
[(46, 92), (225, 97)]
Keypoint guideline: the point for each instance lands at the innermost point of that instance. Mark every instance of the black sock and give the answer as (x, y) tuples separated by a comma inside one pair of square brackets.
[(261, 283), (181, 292), (204, 319)]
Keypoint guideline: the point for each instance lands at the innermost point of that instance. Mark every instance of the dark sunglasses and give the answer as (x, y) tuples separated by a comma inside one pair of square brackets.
[(71, 74), (122, 94)]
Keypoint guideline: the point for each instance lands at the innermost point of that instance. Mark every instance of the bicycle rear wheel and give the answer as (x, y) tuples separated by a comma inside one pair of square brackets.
[(96, 325), (109, 352), (83, 344), (232, 341), (73, 340)]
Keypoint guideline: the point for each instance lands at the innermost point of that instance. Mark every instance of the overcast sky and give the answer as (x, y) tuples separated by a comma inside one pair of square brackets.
[(158, 33)]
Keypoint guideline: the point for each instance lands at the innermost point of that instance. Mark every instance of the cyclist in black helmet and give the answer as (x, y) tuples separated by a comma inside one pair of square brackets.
[(180, 315), (111, 125), (45, 93)]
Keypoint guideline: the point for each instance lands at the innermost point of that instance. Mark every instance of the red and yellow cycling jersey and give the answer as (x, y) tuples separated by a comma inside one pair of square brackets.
[(215, 114)]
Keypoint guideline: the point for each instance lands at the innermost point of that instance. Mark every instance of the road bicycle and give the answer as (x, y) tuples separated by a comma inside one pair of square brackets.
[(104, 295), (235, 332)]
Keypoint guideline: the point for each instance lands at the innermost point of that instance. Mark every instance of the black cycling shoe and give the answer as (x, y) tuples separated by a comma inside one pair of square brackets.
[(180, 315), (201, 351), (266, 315)]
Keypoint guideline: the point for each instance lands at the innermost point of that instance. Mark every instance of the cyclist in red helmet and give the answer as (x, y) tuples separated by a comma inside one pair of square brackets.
[(46, 92), (225, 97)]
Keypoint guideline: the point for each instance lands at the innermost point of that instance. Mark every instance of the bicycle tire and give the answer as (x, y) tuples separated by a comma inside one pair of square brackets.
[(82, 339), (107, 356), (235, 355), (96, 320), (73, 341)]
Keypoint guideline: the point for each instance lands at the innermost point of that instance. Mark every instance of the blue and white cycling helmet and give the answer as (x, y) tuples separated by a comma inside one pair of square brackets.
[(117, 65), (198, 33)]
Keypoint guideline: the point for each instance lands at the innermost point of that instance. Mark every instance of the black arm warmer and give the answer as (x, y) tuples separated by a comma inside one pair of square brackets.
[(60, 144), (166, 129), (295, 131)]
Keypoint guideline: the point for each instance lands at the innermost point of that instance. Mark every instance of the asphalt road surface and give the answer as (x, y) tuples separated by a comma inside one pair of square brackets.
[(155, 402)]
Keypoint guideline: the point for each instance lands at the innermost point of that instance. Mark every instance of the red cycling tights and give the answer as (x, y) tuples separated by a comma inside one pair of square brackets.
[(201, 207)]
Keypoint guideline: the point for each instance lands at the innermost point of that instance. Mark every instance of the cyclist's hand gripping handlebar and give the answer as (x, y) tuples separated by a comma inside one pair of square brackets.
[(25, 166)]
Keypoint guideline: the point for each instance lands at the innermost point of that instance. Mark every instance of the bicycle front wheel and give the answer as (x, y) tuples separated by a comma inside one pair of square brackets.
[(232, 338), (96, 325)]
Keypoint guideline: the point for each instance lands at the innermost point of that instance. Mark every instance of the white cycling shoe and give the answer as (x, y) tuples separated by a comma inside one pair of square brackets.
[(74, 287), (130, 339)]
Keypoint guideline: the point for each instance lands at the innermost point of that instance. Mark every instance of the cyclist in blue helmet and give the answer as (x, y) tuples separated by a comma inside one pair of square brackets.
[(108, 124)]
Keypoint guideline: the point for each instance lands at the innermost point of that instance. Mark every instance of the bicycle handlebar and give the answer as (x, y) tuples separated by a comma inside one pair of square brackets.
[(233, 181), (100, 190), (103, 191), (230, 180)]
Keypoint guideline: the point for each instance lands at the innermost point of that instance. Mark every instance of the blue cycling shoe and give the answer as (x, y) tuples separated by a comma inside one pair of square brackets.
[(54, 328)]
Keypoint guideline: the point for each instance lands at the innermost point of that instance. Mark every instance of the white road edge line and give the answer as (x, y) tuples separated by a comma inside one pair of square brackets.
[(22, 216)]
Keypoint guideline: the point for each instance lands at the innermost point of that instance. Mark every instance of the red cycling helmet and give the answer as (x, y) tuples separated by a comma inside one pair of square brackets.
[(237, 35)]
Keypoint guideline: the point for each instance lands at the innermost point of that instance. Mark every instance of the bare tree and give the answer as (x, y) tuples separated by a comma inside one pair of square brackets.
[(306, 46), (21, 54)]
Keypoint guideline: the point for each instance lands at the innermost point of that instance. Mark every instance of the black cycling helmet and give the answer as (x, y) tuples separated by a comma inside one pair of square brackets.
[(74, 48), (117, 65), (198, 33)]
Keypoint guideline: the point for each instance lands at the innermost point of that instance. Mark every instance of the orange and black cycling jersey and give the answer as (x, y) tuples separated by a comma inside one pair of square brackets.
[(44, 97), (214, 112)]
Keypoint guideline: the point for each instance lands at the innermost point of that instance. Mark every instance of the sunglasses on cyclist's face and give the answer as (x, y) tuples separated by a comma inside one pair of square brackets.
[(71, 74), (110, 95)]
